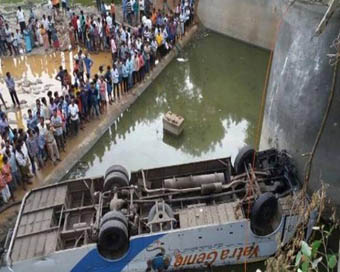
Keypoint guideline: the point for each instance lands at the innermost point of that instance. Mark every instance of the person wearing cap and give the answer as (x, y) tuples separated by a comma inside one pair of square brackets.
[(51, 143)]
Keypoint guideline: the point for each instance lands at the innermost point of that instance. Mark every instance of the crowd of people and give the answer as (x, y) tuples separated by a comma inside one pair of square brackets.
[(93, 33), (85, 95)]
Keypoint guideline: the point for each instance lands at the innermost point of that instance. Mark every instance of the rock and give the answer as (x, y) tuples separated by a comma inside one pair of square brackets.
[(38, 81), (36, 92), (26, 90), (23, 102), (26, 83), (19, 82)]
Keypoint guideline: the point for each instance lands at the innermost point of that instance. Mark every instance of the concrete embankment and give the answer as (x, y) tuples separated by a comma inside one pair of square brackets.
[(78, 146), (298, 96), (252, 21)]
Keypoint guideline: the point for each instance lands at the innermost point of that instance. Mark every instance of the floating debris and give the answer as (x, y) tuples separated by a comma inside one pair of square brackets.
[(83, 166), (182, 60)]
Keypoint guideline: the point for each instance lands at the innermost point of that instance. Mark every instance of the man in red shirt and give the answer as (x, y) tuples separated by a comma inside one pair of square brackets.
[(75, 25)]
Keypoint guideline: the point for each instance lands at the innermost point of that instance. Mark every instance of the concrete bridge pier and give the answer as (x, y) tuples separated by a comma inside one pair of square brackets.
[(298, 92)]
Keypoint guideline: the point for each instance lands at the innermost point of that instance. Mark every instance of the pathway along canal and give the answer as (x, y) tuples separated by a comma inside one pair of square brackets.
[(215, 84)]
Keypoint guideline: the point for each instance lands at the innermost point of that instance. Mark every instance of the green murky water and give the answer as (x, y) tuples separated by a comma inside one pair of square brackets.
[(215, 84)]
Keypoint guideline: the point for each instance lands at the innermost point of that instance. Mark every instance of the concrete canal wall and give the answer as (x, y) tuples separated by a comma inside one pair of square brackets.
[(300, 78), (252, 21), (298, 94)]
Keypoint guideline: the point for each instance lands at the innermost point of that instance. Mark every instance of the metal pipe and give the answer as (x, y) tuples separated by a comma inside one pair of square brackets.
[(8, 255), (193, 181), (165, 189), (186, 190), (179, 191), (205, 197)]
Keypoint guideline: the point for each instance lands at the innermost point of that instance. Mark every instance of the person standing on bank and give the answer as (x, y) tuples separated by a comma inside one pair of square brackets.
[(11, 87), (21, 19), (73, 111), (23, 163), (28, 40), (88, 64), (57, 124), (51, 144), (3, 101)]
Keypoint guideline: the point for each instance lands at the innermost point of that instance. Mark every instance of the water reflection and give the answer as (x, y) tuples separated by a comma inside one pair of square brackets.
[(45, 66), (217, 91)]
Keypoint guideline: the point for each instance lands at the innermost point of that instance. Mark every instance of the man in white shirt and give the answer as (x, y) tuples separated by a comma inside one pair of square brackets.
[(115, 79), (148, 23), (44, 21), (109, 20), (42, 127), (21, 19), (74, 113)]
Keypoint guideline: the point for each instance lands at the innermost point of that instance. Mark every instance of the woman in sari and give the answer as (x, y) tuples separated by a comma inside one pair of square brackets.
[(54, 37), (27, 39), (38, 35), (71, 35), (44, 36)]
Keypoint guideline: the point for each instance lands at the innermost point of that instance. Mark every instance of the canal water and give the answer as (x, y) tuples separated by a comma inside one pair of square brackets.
[(215, 84)]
